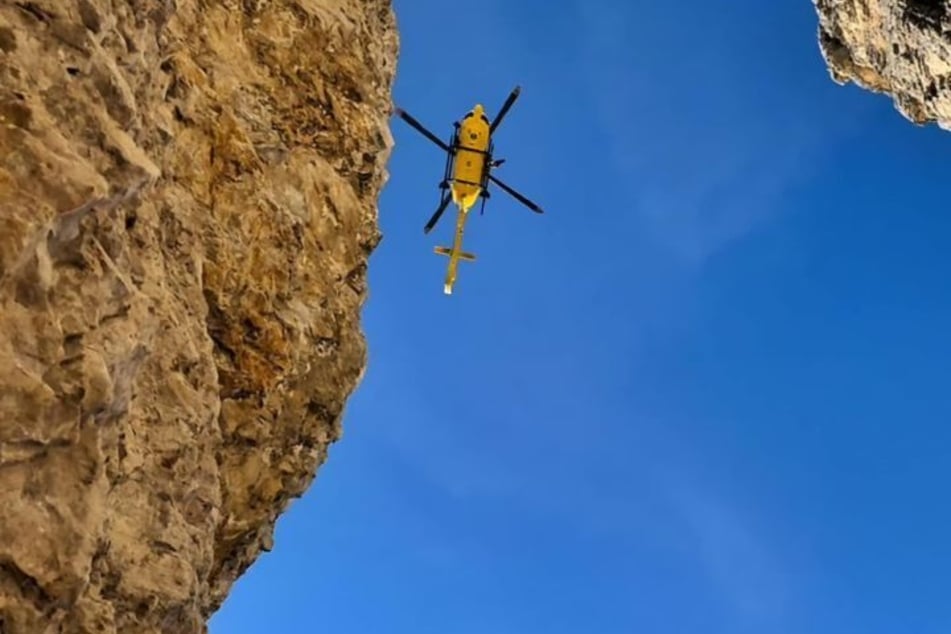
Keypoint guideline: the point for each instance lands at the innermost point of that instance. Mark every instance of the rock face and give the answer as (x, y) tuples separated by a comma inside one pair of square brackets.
[(898, 47), (188, 197)]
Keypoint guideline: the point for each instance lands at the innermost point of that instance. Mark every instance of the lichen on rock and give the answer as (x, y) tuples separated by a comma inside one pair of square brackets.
[(901, 48), (188, 196)]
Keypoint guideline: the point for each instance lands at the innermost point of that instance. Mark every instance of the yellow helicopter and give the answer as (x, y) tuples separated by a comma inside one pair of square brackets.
[(469, 164)]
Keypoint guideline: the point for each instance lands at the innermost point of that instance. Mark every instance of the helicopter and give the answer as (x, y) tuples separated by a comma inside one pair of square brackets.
[(468, 171)]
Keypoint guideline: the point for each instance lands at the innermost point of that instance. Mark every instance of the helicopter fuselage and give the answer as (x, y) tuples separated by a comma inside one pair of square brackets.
[(472, 152)]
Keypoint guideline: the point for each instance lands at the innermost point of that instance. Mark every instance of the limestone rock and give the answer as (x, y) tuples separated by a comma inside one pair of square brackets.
[(188, 196), (898, 47)]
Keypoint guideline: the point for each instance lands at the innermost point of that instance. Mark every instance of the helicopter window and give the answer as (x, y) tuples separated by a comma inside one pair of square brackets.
[(484, 118)]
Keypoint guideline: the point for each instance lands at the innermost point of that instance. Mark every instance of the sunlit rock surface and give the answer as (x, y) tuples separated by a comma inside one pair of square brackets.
[(898, 47), (188, 197)]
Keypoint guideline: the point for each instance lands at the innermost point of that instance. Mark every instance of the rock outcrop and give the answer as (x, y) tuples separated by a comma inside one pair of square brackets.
[(188, 196), (898, 47)]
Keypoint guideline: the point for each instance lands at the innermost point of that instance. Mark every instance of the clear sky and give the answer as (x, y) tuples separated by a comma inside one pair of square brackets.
[(706, 393)]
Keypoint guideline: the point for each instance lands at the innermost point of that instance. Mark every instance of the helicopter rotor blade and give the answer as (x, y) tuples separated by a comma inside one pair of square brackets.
[(505, 108), (421, 128), (435, 217), (516, 195)]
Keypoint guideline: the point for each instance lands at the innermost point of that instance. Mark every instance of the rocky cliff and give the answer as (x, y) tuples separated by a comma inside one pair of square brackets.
[(898, 47), (188, 200)]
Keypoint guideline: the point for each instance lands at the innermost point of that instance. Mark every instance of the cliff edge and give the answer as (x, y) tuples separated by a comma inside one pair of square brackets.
[(897, 47), (188, 198)]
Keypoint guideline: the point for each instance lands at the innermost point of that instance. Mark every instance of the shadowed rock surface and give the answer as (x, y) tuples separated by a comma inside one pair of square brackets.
[(898, 47), (188, 197)]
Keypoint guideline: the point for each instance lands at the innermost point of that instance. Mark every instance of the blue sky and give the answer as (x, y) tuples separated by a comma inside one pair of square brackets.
[(706, 392)]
